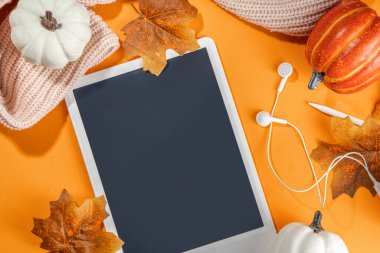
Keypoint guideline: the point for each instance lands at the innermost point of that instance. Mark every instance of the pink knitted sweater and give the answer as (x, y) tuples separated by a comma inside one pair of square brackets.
[(292, 17), (27, 91)]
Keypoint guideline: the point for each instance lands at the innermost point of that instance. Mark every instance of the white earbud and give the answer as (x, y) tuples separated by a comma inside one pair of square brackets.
[(264, 119), (284, 70)]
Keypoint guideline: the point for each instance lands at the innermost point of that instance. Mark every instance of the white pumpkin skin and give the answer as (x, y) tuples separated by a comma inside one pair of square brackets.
[(50, 48), (299, 238)]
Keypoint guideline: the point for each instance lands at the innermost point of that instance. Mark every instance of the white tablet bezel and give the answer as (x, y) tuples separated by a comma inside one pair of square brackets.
[(255, 241)]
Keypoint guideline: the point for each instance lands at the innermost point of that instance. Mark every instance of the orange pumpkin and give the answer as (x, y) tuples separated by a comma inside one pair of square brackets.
[(344, 48)]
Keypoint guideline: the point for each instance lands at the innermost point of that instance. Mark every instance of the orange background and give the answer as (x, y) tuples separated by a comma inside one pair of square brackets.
[(36, 164)]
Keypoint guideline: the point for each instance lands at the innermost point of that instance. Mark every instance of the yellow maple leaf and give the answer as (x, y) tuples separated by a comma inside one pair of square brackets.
[(365, 139), (161, 25), (74, 229)]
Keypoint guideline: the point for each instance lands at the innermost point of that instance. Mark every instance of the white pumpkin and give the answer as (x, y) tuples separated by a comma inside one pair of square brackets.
[(50, 32), (300, 238)]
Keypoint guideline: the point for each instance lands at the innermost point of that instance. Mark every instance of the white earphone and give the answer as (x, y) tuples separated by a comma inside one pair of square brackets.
[(285, 70), (265, 119)]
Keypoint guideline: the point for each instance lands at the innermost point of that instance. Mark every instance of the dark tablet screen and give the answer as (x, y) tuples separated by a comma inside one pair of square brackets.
[(168, 158)]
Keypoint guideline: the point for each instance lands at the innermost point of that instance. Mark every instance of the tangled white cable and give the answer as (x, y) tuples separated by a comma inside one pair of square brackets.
[(265, 119)]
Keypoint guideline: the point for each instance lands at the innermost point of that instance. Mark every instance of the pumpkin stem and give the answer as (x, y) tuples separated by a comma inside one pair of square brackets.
[(316, 225), (49, 22), (315, 79)]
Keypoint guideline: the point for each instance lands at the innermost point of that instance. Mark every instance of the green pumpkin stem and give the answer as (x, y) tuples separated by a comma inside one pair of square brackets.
[(49, 22), (315, 79), (316, 225)]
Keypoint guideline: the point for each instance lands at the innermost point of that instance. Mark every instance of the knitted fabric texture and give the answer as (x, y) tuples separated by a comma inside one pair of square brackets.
[(28, 92), (292, 17)]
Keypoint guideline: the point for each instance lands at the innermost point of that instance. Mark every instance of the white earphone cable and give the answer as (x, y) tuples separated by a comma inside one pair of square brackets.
[(305, 149), (325, 176)]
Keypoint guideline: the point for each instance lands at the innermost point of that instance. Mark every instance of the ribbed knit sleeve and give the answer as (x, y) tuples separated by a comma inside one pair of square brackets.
[(292, 17), (89, 3), (28, 92), (84, 2)]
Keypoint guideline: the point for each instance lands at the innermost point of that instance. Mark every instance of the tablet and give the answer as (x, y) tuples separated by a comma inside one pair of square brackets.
[(170, 155)]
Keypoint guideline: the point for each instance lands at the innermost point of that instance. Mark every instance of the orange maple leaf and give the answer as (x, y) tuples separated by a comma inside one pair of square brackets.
[(161, 25), (74, 229), (365, 139)]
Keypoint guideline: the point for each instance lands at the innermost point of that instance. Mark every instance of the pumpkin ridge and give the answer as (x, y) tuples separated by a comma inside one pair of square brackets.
[(53, 7), (301, 238), (59, 13), (330, 28), (357, 54), (355, 71), (302, 233), (353, 89), (58, 43), (41, 4), (22, 8), (334, 57), (306, 241), (18, 30), (73, 21), (71, 34), (32, 41), (292, 228), (57, 36), (325, 22)]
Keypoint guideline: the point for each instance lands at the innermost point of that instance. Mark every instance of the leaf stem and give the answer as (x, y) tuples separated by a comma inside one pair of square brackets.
[(137, 11)]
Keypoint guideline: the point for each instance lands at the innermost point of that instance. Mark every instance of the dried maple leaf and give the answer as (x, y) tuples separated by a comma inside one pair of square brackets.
[(161, 25), (74, 229), (365, 139)]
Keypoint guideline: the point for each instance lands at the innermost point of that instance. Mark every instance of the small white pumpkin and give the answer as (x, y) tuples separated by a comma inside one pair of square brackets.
[(299, 238), (50, 32)]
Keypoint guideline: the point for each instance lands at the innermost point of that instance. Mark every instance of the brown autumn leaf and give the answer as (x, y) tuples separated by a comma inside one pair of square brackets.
[(161, 25), (349, 176), (74, 229)]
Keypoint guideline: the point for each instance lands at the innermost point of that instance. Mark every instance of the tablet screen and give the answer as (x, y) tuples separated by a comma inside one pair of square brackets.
[(168, 158)]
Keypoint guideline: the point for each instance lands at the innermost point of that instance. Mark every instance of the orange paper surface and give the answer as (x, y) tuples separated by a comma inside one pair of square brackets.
[(36, 164)]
